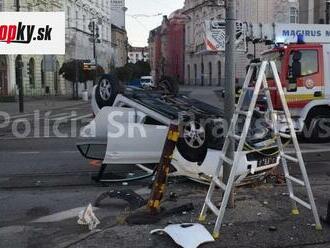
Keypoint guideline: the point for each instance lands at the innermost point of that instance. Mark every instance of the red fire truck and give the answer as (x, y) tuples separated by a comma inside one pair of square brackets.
[(302, 55)]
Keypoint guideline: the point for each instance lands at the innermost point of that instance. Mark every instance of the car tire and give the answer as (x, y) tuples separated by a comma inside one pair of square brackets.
[(107, 89), (168, 85), (192, 145)]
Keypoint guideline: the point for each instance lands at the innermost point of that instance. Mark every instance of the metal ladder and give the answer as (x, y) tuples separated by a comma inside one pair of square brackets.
[(260, 85)]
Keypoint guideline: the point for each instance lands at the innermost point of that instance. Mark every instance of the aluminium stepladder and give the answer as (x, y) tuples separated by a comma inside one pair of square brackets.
[(260, 85)]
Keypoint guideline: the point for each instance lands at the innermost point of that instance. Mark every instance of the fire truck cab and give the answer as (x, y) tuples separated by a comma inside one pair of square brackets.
[(302, 56)]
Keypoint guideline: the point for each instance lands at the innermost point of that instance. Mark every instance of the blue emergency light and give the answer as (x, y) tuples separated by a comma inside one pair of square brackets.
[(300, 39)]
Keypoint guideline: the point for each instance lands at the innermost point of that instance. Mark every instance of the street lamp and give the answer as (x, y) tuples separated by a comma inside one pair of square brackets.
[(94, 28), (19, 68)]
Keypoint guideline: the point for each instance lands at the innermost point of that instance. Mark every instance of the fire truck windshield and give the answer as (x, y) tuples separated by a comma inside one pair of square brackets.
[(276, 56)]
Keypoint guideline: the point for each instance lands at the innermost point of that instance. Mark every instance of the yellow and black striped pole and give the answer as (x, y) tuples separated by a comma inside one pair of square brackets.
[(159, 185)]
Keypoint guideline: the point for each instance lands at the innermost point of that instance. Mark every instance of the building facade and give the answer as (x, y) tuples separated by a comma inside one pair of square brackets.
[(207, 68), (314, 11), (40, 73), (119, 44), (118, 32), (202, 67), (79, 14), (167, 47), (136, 54)]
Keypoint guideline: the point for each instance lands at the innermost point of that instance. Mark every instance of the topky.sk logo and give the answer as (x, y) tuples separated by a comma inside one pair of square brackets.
[(32, 33)]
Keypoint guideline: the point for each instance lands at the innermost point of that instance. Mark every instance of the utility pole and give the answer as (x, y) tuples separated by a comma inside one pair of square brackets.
[(230, 81), (19, 78), (327, 12), (95, 35)]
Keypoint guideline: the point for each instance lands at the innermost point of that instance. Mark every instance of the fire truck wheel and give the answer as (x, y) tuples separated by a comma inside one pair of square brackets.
[(317, 128), (106, 91)]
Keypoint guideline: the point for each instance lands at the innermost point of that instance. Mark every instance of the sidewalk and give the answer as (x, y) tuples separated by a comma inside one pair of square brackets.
[(40, 103), (206, 94), (248, 225)]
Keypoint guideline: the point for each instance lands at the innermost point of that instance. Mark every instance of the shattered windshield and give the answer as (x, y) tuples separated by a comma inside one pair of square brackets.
[(273, 56)]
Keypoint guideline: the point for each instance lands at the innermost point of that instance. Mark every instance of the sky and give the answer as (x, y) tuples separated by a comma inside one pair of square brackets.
[(145, 15)]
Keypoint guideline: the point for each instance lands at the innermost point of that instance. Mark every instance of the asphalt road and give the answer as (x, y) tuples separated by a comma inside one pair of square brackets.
[(40, 176)]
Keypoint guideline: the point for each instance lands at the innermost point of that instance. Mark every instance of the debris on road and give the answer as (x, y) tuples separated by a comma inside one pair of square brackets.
[(187, 235), (134, 200), (87, 217), (272, 228)]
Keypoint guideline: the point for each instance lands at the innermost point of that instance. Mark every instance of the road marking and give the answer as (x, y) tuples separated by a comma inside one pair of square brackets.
[(32, 152), (61, 118), (82, 117), (38, 152), (64, 215), (305, 151), (11, 117)]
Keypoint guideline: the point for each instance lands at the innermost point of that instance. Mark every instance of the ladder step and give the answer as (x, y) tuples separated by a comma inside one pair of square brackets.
[(234, 136), (292, 159), (226, 159), (301, 202), (281, 112), (240, 112), (286, 136), (212, 207), (248, 88), (219, 183), (296, 180)]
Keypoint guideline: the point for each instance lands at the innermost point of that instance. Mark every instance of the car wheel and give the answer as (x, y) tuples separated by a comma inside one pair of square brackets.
[(192, 145), (106, 91), (168, 85)]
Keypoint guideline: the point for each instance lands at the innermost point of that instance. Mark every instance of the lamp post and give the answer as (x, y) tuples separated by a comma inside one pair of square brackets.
[(95, 35), (19, 67)]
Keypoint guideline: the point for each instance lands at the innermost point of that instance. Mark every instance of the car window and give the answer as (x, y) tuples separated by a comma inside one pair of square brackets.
[(309, 62)]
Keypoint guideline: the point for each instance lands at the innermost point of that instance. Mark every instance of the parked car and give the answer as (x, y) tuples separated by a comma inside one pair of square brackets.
[(147, 82)]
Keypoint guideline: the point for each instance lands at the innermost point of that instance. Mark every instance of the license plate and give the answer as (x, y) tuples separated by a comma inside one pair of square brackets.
[(267, 161)]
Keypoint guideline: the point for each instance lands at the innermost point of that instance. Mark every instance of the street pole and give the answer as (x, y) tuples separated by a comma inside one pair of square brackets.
[(230, 81), (20, 79), (327, 12), (94, 51)]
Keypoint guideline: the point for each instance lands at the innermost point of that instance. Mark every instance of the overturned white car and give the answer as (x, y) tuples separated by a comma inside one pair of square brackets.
[(131, 127)]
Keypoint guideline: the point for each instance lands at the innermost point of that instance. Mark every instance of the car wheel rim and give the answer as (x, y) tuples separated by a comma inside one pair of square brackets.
[(105, 89), (194, 135)]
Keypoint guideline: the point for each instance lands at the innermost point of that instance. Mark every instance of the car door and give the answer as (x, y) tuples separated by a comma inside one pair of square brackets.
[(308, 83), (134, 143)]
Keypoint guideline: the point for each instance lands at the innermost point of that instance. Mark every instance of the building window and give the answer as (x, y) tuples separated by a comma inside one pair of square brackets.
[(84, 23), (210, 73), (219, 73), (77, 19), (31, 71), (195, 71), (69, 16), (293, 15), (188, 71), (202, 73), (43, 82), (1, 5)]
